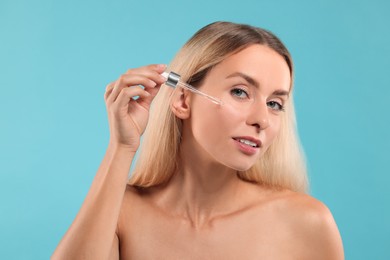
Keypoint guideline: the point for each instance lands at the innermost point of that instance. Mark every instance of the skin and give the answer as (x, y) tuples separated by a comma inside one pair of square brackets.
[(205, 211)]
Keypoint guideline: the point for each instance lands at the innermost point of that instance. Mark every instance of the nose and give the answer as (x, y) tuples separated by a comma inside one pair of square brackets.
[(259, 116)]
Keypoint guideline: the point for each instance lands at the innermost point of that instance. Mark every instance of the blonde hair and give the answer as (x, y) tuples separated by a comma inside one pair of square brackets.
[(282, 165)]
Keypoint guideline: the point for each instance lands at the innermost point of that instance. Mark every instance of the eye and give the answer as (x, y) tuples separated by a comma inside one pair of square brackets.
[(240, 93), (275, 106)]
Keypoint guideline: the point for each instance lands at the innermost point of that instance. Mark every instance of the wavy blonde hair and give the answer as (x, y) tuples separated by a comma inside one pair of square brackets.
[(282, 165)]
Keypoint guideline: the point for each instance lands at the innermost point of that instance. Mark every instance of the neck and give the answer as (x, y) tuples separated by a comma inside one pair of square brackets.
[(201, 189)]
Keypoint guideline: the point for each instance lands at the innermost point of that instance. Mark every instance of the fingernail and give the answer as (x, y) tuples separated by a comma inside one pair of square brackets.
[(161, 66), (163, 78)]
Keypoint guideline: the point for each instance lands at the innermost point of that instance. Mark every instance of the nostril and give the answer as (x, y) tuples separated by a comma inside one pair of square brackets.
[(256, 125)]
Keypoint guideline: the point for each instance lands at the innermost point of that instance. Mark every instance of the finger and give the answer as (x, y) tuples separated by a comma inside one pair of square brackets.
[(130, 80), (129, 93), (151, 71), (158, 68), (145, 102), (109, 89)]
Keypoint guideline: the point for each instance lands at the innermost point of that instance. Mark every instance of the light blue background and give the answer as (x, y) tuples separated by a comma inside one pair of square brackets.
[(56, 58)]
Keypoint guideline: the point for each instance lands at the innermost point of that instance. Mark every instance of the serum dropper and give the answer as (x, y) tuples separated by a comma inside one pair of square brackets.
[(173, 80)]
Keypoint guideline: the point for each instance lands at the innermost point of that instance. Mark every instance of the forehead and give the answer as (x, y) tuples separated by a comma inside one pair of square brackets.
[(259, 62)]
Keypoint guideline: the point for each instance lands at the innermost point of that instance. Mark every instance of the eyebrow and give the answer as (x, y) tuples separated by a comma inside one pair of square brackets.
[(256, 84)]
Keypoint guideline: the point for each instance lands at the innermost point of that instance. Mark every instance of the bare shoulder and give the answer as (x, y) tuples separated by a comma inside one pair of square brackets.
[(311, 222), (135, 196), (138, 199), (132, 192), (303, 207), (132, 205)]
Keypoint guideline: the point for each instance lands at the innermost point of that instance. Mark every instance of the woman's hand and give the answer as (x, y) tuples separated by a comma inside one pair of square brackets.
[(127, 116)]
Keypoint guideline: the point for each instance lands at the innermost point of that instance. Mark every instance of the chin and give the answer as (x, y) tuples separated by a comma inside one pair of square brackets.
[(238, 163), (240, 166)]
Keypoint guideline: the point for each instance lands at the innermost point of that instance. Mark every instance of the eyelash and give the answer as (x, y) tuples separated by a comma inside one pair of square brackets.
[(280, 106), (239, 89)]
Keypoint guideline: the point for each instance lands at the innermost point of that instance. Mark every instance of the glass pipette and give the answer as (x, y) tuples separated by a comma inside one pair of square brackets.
[(173, 80)]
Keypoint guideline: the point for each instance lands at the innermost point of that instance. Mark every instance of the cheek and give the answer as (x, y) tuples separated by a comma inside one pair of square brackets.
[(230, 117), (220, 119), (216, 120)]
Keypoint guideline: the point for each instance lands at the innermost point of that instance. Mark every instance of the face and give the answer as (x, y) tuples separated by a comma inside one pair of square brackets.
[(253, 85)]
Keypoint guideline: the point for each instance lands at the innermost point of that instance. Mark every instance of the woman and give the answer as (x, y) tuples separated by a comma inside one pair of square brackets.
[(212, 181)]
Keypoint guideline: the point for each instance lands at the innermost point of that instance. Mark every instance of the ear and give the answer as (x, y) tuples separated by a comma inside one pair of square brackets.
[(180, 103)]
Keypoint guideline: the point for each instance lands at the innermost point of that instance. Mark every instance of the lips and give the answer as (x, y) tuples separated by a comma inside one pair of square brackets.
[(248, 140)]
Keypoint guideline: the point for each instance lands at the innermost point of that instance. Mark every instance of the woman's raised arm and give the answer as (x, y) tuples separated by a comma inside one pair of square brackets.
[(93, 232)]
